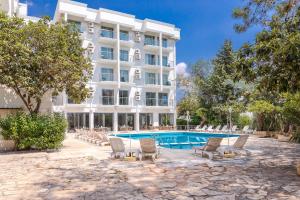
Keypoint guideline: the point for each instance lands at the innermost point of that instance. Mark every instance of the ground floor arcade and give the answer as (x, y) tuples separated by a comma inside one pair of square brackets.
[(119, 121)]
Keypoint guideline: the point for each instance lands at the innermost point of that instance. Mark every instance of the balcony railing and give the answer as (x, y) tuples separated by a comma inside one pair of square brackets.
[(108, 100), (107, 55), (107, 33), (123, 101), (150, 101), (163, 102), (151, 42)]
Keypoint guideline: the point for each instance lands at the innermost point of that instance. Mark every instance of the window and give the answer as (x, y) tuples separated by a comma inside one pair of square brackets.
[(150, 99), (150, 78), (164, 42), (166, 119), (78, 120), (149, 59), (166, 79), (124, 55), (107, 74), (125, 120), (165, 61), (123, 97), (107, 53), (163, 99), (124, 76), (107, 32), (149, 40), (76, 26), (103, 120), (124, 35), (107, 97)]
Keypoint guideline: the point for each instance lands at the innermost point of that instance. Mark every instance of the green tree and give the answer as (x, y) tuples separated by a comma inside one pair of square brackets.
[(273, 62), (38, 58), (261, 12)]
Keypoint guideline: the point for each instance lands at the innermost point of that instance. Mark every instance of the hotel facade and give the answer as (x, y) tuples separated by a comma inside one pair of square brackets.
[(134, 78)]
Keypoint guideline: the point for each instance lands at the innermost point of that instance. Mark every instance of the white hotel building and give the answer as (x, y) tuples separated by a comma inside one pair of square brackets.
[(134, 79)]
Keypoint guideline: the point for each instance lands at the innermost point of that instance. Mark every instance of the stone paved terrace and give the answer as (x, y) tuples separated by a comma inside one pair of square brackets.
[(84, 171)]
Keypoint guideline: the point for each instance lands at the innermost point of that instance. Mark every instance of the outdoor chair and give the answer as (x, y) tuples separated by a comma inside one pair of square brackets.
[(247, 130), (209, 148), (117, 147), (237, 147), (148, 149)]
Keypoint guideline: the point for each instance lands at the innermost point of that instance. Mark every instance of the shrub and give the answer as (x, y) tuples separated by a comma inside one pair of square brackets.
[(34, 131), (244, 120)]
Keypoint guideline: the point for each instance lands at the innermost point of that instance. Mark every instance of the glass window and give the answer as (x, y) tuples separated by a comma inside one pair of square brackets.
[(150, 78), (164, 42), (149, 40), (124, 75), (166, 79), (107, 74), (76, 26), (78, 120), (107, 32), (124, 55), (125, 120), (123, 97), (165, 119), (150, 99), (163, 99), (165, 61), (107, 53), (107, 97), (146, 121), (124, 35), (149, 59)]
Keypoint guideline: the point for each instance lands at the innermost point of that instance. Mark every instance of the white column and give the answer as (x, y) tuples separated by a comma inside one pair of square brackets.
[(161, 64), (115, 121), (174, 83), (137, 121), (65, 17), (118, 54), (91, 120), (10, 8)]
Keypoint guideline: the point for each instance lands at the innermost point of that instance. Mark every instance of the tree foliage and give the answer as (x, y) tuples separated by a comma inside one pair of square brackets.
[(39, 57), (260, 12)]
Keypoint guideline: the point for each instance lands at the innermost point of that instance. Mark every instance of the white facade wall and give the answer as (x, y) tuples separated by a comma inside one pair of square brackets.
[(79, 12)]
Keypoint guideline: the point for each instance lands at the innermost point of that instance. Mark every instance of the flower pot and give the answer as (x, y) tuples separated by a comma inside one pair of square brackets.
[(261, 134), (7, 145), (283, 138)]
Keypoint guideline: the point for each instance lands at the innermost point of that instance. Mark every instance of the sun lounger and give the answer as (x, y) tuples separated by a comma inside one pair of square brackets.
[(247, 130), (218, 128), (117, 147), (237, 147), (209, 148), (201, 129), (148, 148), (224, 129), (210, 129)]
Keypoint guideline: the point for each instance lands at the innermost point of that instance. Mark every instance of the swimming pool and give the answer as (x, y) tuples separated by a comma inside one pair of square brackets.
[(177, 140)]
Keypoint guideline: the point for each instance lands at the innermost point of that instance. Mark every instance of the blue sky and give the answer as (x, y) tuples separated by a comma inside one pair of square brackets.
[(204, 24)]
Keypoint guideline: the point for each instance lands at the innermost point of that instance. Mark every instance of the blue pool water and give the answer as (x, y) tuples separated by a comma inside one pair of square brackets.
[(177, 140)]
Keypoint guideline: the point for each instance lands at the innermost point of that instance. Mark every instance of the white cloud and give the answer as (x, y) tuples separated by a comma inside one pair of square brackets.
[(181, 69)]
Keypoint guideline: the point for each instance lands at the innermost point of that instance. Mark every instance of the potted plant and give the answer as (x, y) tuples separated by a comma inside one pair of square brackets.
[(262, 109)]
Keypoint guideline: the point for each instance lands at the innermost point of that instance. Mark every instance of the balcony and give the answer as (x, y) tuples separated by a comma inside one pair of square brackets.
[(168, 65), (107, 36), (151, 45), (107, 57), (126, 61), (126, 40)]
